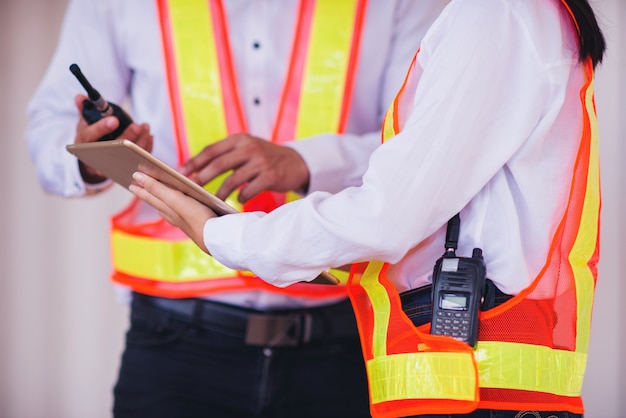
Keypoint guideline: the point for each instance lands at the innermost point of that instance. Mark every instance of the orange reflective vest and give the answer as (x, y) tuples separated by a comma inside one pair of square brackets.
[(532, 350), (157, 259)]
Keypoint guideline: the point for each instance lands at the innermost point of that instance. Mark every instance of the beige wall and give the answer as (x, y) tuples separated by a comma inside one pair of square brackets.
[(61, 331)]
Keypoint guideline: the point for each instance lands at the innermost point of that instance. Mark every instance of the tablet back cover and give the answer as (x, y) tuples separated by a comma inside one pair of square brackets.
[(119, 159)]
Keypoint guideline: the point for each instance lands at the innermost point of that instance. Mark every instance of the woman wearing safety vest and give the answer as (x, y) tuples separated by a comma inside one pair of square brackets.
[(495, 122)]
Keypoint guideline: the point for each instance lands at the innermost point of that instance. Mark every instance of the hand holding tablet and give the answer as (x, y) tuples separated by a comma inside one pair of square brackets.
[(119, 159)]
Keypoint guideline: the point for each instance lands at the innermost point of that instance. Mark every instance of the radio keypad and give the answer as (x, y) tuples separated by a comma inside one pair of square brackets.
[(453, 324)]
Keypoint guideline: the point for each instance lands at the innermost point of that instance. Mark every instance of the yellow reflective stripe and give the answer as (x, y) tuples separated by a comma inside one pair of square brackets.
[(426, 375), (380, 305), (172, 261), (341, 275), (388, 131), (451, 375), (586, 239), (199, 79), (197, 66), (530, 367), (178, 261), (324, 75)]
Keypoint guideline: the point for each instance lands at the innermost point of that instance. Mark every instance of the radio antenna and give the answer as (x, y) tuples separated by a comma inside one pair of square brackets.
[(93, 94), (452, 234)]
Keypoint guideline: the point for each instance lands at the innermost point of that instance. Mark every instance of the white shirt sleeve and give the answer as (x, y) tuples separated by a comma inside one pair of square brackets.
[(85, 39), (483, 94)]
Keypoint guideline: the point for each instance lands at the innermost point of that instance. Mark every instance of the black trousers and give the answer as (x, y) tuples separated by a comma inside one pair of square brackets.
[(193, 358)]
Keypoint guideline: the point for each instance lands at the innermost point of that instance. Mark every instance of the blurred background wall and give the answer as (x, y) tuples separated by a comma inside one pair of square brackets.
[(61, 330)]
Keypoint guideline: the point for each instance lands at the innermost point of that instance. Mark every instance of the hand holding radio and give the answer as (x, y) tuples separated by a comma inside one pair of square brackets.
[(96, 107)]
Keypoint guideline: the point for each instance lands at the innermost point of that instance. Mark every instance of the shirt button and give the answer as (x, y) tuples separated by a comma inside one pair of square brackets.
[(256, 45), (256, 101)]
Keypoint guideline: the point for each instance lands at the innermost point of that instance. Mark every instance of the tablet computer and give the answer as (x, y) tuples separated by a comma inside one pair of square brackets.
[(119, 159)]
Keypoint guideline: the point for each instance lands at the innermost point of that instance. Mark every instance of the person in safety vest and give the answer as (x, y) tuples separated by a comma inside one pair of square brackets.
[(495, 122), (217, 89)]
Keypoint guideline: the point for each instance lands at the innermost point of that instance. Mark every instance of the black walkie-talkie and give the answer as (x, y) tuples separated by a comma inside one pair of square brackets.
[(96, 107), (458, 287)]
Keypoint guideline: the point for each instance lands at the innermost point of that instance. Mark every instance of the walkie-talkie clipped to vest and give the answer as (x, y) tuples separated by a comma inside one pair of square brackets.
[(458, 288)]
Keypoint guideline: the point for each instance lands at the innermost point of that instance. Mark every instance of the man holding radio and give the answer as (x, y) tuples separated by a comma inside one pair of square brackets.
[(242, 80)]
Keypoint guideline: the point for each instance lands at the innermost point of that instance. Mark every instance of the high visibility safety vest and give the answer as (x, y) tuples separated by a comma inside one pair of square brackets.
[(157, 259), (532, 350)]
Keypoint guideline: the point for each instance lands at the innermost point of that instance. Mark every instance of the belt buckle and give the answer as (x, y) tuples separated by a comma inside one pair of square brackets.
[(278, 330)]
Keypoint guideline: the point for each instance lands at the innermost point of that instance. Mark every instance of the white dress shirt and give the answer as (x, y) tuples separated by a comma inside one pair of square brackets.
[(117, 45), (491, 130)]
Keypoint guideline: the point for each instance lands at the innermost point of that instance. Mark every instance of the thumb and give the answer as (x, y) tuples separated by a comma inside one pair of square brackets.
[(104, 126)]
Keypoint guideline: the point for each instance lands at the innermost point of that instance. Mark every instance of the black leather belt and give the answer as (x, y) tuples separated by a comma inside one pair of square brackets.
[(284, 328), (417, 303)]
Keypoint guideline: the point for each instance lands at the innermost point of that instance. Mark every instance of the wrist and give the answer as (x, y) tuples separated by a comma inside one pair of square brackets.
[(90, 176)]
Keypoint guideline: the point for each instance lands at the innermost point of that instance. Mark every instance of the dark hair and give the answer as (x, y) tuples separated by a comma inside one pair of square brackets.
[(590, 38)]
